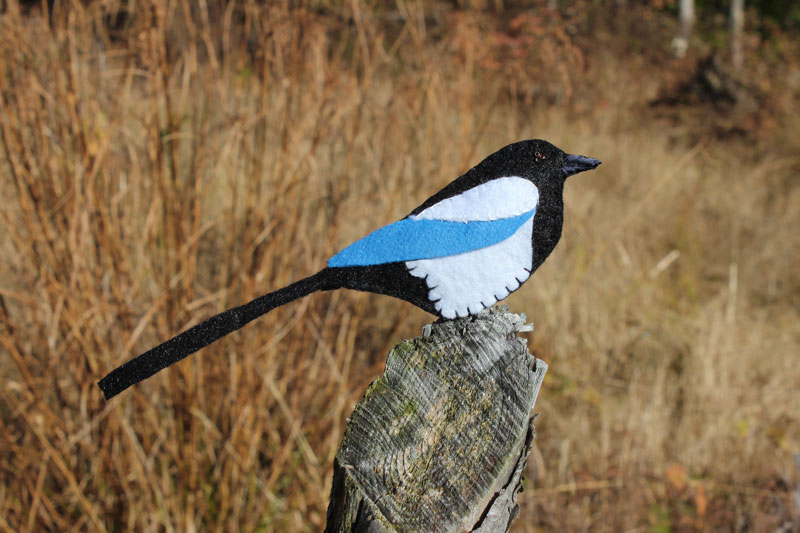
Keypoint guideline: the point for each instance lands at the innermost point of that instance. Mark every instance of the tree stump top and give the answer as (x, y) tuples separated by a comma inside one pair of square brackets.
[(440, 435)]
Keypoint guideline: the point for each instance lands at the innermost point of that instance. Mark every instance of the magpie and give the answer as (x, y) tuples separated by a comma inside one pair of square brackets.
[(466, 247)]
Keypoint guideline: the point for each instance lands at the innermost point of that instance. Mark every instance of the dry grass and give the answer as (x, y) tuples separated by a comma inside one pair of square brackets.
[(192, 159)]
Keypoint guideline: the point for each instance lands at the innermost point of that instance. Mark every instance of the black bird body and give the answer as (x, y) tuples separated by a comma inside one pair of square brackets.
[(466, 247)]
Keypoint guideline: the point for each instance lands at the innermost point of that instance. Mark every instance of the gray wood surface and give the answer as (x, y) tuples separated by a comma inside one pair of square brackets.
[(440, 441)]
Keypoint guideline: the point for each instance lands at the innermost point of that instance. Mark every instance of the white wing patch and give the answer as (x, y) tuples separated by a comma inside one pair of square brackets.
[(499, 198), (463, 284)]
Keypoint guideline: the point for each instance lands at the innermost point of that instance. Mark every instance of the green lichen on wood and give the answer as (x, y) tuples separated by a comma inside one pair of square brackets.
[(444, 425)]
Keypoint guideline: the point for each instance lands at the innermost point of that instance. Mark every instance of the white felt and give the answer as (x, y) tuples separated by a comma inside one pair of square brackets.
[(465, 283), (499, 198)]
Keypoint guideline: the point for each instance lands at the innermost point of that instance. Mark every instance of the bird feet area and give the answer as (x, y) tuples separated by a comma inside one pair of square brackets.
[(440, 441)]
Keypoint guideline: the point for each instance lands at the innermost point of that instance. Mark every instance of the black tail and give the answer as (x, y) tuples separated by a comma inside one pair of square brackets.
[(204, 333)]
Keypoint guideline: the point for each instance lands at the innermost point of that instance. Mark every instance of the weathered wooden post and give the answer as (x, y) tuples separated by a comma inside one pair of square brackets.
[(440, 441)]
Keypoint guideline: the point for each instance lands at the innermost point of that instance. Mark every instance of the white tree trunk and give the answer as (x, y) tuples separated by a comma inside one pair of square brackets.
[(737, 21), (681, 42)]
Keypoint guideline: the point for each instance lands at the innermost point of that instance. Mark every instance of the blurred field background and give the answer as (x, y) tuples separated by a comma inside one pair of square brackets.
[(162, 160)]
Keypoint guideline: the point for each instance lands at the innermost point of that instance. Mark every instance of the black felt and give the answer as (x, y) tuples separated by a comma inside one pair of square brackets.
[(539, 161), (391, 279), (203, 334)]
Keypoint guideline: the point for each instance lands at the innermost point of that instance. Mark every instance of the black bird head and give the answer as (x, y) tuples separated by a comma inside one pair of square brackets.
[(539, 161)]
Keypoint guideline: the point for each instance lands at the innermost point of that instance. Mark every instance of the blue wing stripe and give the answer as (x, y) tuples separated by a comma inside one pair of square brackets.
[(413, 239)]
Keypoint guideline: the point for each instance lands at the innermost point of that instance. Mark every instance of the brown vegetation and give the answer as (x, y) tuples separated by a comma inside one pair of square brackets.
[(161, 165)]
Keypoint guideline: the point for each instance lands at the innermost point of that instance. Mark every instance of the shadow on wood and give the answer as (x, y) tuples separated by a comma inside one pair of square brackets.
[(440, 441)]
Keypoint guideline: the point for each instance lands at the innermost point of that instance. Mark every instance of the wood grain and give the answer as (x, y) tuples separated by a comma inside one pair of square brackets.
[(440, 441)]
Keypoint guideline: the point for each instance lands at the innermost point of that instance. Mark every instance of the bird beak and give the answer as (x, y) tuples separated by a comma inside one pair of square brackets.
[(578, 163)]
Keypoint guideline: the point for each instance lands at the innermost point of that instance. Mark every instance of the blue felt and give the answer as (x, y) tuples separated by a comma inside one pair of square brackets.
[(410, 240)]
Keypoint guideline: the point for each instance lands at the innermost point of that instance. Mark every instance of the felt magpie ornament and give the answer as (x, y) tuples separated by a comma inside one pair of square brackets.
[(466, 247)]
